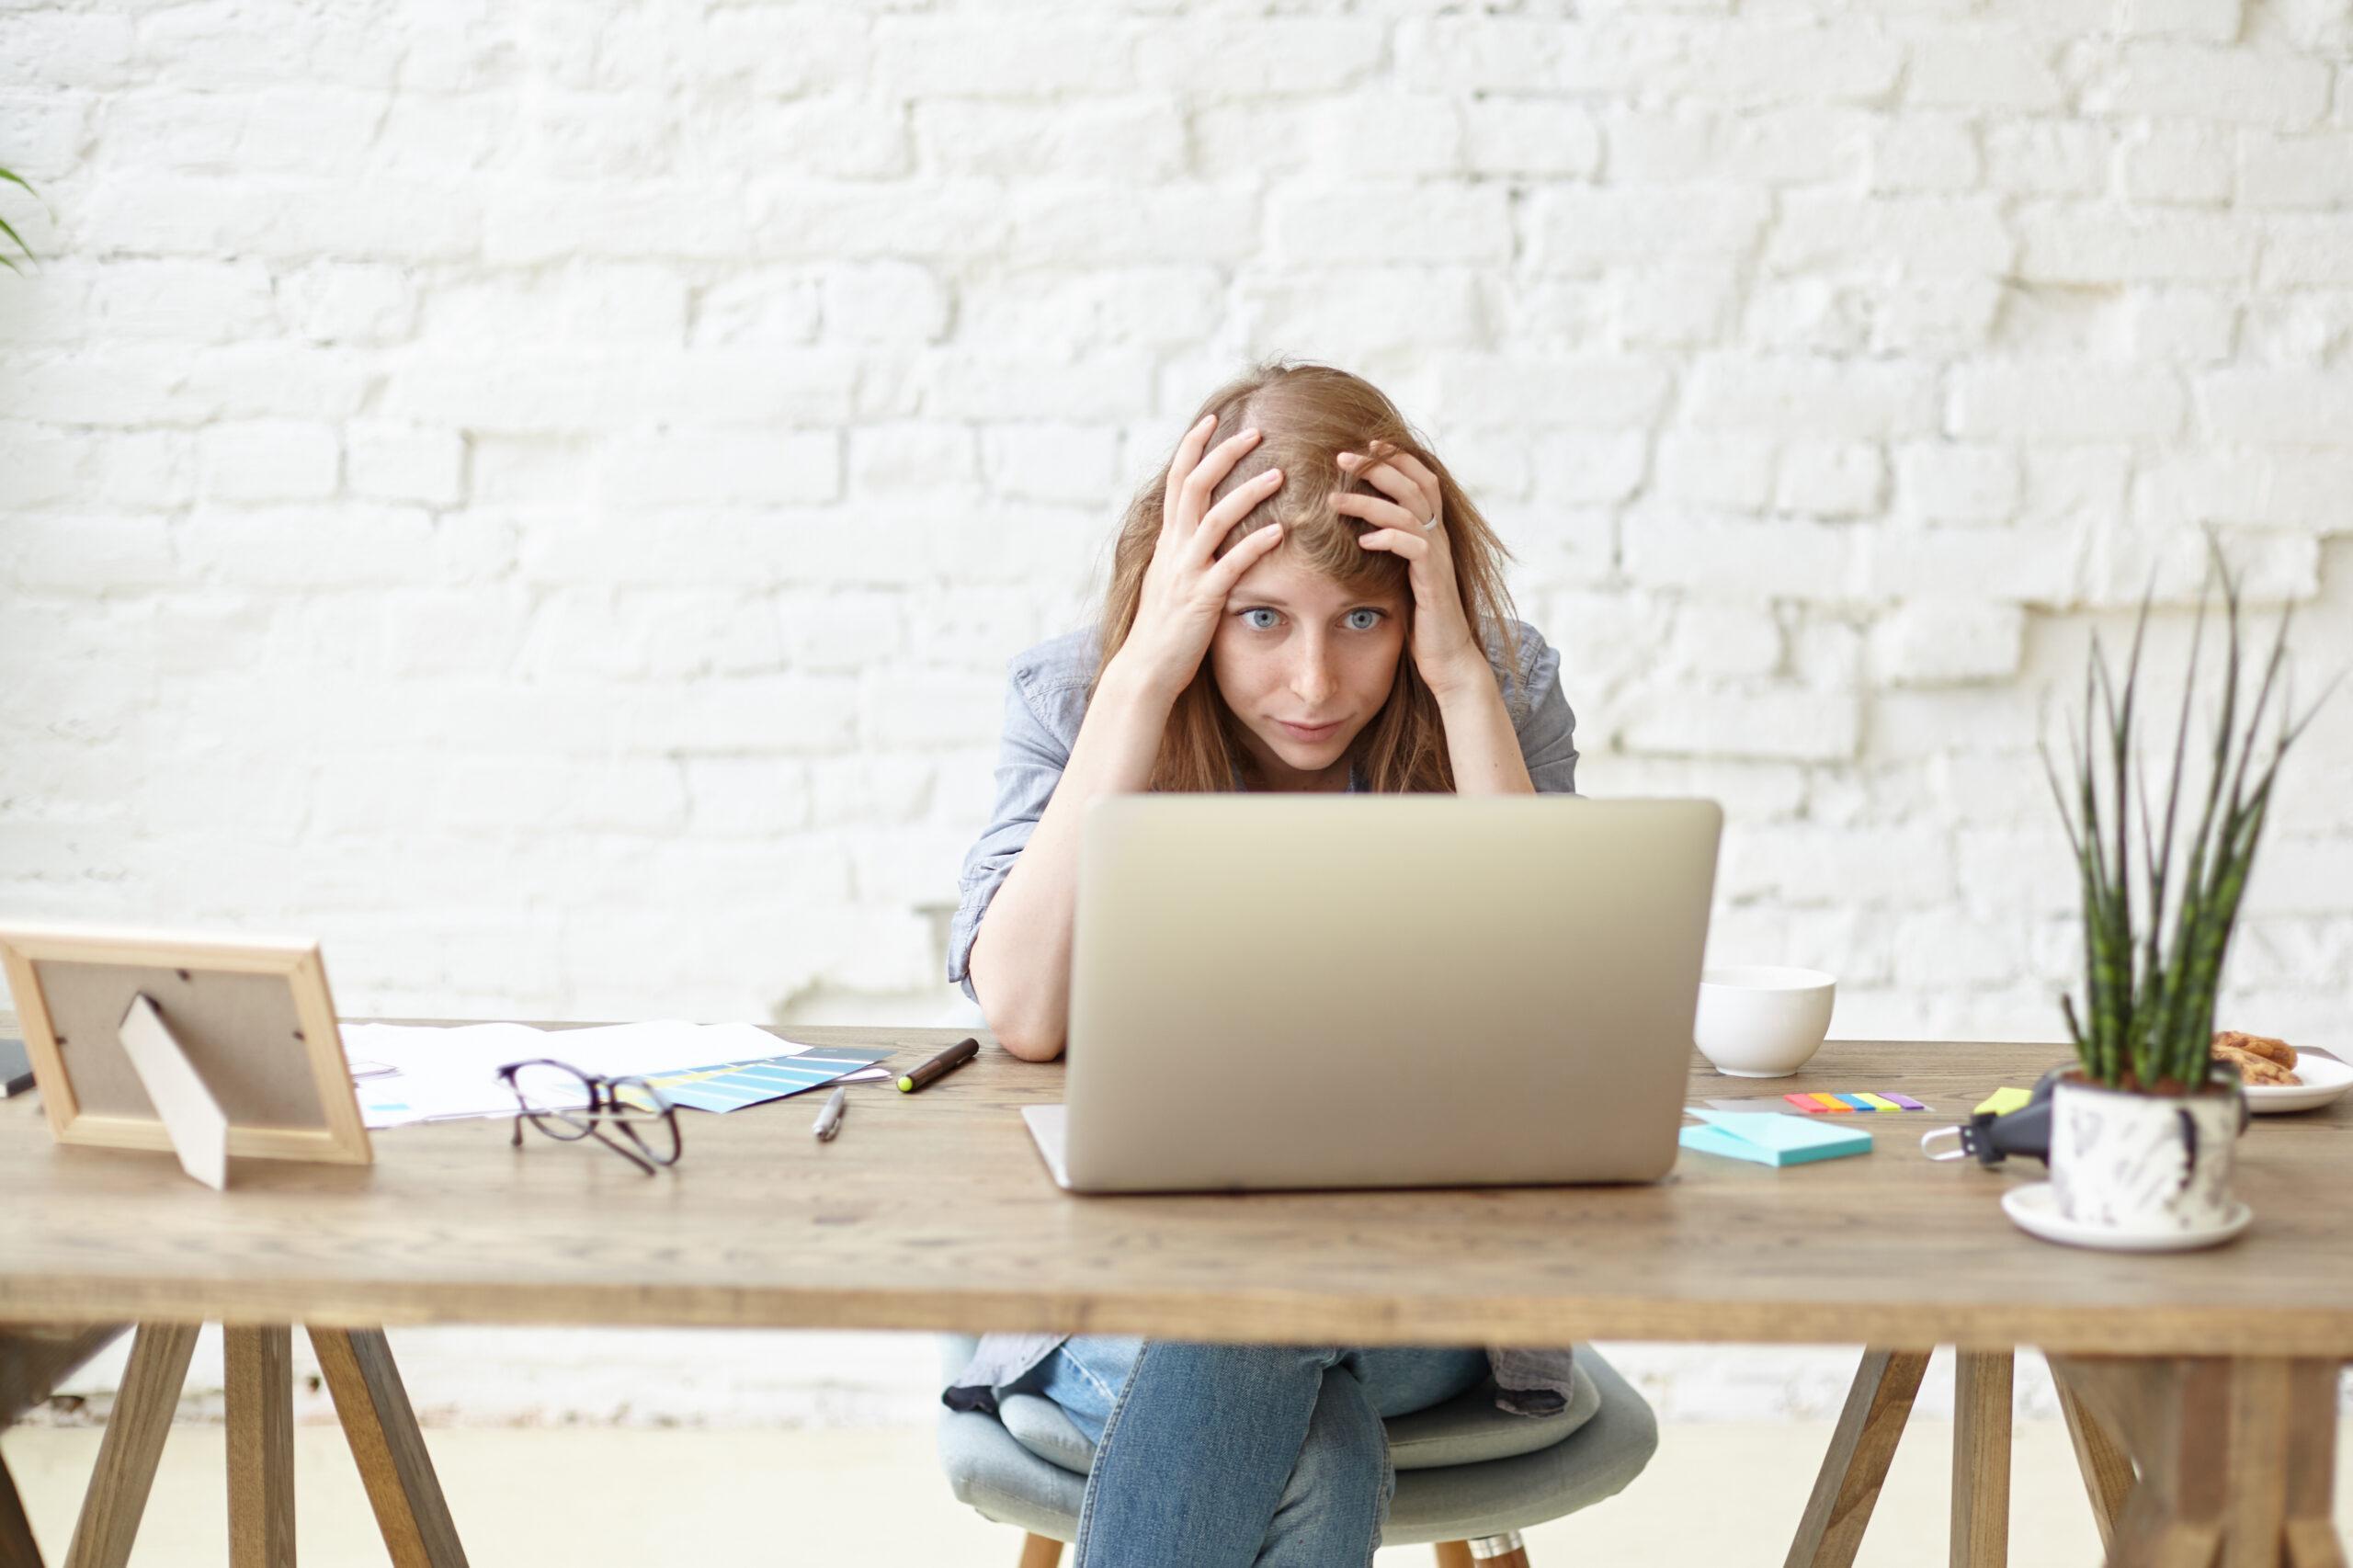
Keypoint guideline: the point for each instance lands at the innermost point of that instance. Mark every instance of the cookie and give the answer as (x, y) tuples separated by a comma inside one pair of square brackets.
[(2256, 1069), (2277, 1051)]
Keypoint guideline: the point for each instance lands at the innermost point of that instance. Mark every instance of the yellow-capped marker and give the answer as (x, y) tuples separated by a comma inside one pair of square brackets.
[(947, 1061)]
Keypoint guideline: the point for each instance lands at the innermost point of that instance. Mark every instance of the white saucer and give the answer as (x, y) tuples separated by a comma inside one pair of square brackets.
[(2032, 1209), (2324, 1077)]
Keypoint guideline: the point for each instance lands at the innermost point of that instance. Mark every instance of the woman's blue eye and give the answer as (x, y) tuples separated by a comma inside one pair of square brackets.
[(1354, 624)]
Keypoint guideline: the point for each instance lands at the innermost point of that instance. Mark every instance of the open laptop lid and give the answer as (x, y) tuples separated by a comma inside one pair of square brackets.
[(1275, 991)]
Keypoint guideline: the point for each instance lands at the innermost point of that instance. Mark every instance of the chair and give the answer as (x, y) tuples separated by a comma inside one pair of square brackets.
[(1470, 1477)]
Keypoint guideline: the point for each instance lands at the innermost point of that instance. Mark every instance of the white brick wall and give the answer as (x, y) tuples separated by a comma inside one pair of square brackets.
[(541, 495)]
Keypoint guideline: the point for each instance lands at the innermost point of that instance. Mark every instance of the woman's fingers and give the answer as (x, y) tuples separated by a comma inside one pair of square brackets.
[(1398, 460), (1194, 494), (1188, 454), (1250, 492), (1375, 509), (1397, 474), (1228, 570), (1405, 544)]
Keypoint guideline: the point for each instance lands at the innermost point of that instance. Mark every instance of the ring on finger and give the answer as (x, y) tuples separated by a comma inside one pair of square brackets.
[(1431, 524)]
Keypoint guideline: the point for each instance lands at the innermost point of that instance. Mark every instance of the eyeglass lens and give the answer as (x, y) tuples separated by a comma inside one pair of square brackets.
[(554, 1097)]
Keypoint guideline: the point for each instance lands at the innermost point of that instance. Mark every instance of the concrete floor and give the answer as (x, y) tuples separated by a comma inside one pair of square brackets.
[(1718, 1494)]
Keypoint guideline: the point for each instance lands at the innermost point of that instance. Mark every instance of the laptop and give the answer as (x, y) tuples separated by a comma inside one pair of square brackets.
[(1299, 990)]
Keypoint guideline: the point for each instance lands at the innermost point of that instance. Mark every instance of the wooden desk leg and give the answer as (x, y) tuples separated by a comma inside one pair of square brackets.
[(259, 1363), (382, 1430), (36, 1358), (1878, 1404), (17, 1547), (2313, 1540), (133, 1443), (2280, 1468), (1980, 1457), (2107, 1470), (2236, 1457)]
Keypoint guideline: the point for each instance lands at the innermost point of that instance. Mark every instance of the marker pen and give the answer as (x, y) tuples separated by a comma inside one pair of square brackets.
[(955, 1056)]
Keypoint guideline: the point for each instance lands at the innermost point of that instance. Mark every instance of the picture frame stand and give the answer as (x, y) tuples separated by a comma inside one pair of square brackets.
[(198, 1127)]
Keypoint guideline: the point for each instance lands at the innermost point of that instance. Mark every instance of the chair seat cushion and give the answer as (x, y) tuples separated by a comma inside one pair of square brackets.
[(1595, 1448), (1469, 1429), (1466, 1429)]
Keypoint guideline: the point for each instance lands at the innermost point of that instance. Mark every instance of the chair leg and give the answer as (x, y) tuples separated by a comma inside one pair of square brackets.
[(1453, 1553), (1041, 1551), (1505, 1551)]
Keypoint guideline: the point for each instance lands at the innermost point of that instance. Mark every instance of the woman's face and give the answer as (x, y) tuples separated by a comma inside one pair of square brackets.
[(1296, 647)]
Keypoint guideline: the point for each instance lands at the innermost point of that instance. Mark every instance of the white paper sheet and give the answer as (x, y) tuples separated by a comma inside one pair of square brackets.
[(439, 1072)]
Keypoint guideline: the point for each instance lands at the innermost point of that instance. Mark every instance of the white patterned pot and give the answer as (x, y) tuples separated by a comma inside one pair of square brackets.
[(2143, 1164)]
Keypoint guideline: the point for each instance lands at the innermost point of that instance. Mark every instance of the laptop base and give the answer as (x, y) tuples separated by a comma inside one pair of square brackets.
[(1049, 1125)]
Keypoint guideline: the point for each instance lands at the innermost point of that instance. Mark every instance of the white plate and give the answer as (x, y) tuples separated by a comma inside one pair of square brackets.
[(2324, 1077), (2034, 1210)]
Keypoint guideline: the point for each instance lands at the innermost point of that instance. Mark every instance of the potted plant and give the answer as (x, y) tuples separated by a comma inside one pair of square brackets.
[(10, 235), (2143, 1128)]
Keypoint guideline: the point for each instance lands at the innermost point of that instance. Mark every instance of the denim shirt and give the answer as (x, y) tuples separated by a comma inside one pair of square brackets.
[(1045, 701)]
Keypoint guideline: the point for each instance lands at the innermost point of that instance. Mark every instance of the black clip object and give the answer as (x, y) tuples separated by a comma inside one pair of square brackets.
[(1993, 1139), (2027, 1131)]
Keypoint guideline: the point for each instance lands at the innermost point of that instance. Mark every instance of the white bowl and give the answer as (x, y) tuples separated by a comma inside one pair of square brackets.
[(1760, 1020)]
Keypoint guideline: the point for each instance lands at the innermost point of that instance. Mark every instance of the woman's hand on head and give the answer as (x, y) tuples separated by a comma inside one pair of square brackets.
[(1449, 657), (1187, 583)]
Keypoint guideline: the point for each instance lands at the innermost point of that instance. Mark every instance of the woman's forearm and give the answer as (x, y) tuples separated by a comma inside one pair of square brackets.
[(1481, 742), (1021, 959)]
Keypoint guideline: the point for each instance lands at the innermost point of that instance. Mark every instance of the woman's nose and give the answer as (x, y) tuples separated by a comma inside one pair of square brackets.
[(1312, 679)]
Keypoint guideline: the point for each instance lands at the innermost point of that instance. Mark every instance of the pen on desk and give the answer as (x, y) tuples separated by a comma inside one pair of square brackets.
[(829, 1120), (955, 1056)]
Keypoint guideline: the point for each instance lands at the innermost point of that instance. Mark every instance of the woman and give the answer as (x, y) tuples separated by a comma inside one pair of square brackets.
[(1291, 607)]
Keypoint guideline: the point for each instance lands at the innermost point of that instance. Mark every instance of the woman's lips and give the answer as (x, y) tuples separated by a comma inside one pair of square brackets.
[(1308, 732)]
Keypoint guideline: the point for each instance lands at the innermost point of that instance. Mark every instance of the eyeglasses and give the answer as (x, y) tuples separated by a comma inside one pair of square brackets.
[(563, 1102)]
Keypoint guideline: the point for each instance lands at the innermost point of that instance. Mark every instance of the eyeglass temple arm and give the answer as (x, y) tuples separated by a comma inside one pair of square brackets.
[(622, 1149)]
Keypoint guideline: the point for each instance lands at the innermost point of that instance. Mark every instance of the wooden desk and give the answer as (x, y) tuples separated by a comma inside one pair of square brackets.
[(932, 1212)]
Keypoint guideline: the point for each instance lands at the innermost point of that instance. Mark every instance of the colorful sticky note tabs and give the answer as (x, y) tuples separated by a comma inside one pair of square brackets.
[(1832, 1103), (1906, 1102), (2003, 1101), (1805, 1103), (1856, 1102), (1879, 1102)]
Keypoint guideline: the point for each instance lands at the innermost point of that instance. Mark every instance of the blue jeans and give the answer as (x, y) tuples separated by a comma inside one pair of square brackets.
[(1252, 1456)]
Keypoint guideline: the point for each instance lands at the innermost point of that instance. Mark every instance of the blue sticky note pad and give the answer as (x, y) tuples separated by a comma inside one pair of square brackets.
[(1769, 1138)]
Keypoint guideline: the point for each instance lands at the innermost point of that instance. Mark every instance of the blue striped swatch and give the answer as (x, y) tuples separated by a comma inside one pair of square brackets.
[(733, 1085)]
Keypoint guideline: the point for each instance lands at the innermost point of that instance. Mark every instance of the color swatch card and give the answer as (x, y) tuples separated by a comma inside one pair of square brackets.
[(408, 1073), (1770, 1137), (735, 1084)]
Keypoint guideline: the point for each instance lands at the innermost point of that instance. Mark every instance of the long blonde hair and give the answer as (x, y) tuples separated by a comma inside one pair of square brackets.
[(1308, 414)]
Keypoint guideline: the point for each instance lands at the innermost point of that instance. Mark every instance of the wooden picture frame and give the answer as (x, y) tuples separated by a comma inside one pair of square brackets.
[(252, 1014)]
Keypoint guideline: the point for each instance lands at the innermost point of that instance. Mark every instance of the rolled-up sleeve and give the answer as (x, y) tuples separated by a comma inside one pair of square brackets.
[(1547, 728), (1030, 759)]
